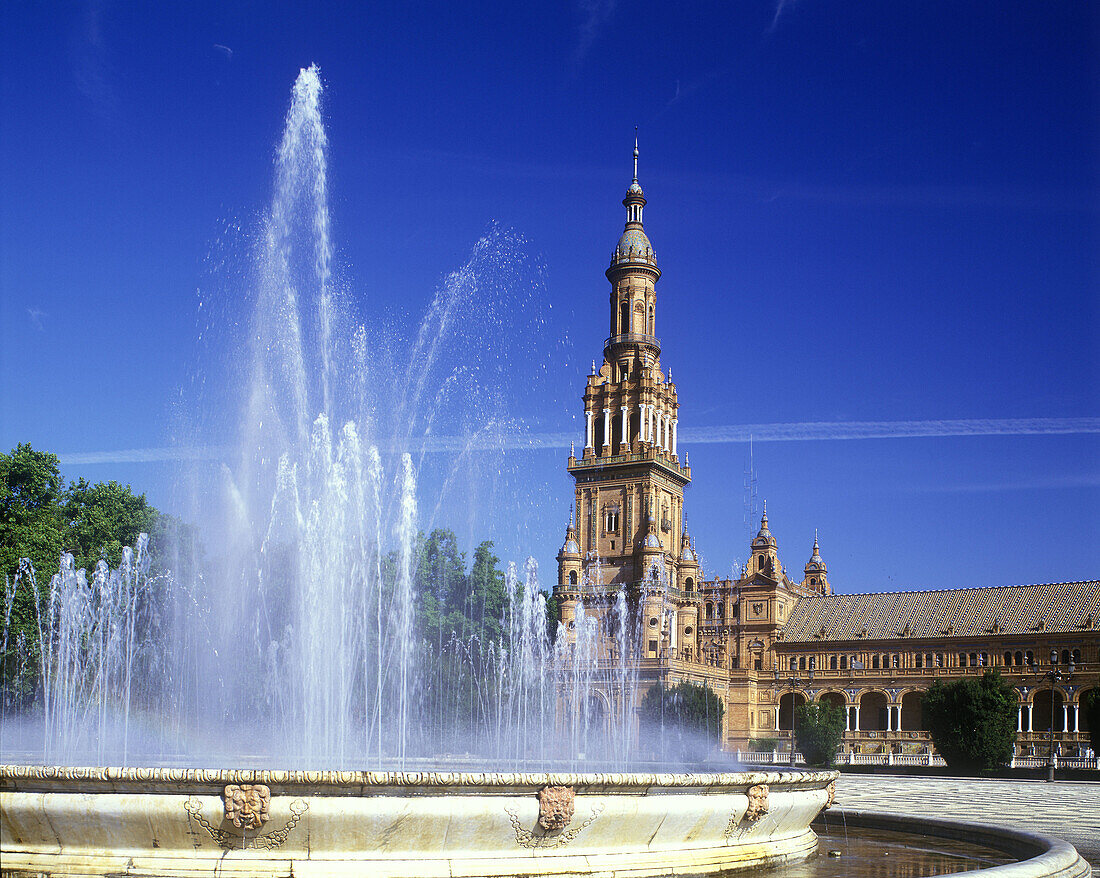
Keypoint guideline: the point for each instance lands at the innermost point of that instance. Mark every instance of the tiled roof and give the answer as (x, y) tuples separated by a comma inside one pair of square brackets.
[(962, 612)]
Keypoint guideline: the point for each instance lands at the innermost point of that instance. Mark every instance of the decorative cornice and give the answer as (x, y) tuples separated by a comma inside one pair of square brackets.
[(21, 776)]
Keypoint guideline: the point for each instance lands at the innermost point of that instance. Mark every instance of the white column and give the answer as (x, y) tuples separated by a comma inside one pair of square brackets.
[(668, 431), (1076, 717), (1065, 717), (848, 718), (889, 717), (856, 706), (626, 424), (675, 421), (1020, 719), (590, 432), (607, 427), (649, 422), (777, 717), (659, 415), (1029, 718)]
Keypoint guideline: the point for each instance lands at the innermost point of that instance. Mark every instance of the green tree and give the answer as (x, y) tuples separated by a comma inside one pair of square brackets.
[(1090, 706), (487, 589), (39, 519), (972, 721), (101, 519), (819, 730), (31, 526), (684, 722)]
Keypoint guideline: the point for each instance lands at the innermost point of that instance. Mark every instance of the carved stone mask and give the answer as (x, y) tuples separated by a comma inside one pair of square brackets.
[(555, 807), (246, 805)]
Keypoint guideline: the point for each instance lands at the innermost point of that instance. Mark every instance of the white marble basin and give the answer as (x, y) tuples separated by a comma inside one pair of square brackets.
[(175, 822)]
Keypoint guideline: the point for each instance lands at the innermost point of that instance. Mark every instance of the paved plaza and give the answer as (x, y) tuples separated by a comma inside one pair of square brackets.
[(1066, 809)]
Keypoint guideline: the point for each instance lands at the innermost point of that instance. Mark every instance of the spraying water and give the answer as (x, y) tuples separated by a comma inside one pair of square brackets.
[(298, 641)]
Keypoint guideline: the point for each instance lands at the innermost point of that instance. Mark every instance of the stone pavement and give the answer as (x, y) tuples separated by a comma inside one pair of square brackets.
[(1065, 809)]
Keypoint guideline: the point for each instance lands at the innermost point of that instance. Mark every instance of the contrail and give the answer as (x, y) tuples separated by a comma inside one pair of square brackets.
[(809, 431)]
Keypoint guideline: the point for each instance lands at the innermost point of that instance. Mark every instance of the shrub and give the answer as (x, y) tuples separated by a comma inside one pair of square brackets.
[(819, 728), (684, 722), (972, 722), (763, 745)]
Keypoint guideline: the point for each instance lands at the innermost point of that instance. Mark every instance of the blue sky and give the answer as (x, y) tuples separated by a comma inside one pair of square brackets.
[(864, 212)]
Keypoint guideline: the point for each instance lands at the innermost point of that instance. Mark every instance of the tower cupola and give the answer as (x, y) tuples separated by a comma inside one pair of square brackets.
[(816, 573), (634, 247)]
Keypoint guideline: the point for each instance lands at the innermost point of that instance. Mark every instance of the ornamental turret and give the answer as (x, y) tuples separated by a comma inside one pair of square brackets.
[(765, 551), (816, 573)]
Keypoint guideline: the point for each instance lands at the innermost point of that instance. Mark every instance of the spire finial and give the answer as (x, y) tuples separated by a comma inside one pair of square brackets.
[(635, 153)]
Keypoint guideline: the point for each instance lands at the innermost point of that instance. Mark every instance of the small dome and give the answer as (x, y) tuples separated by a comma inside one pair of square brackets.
[(816, 564), (635, 189), (651, 541), (571, 548), (764, 537), (688, 554), (634, 246)]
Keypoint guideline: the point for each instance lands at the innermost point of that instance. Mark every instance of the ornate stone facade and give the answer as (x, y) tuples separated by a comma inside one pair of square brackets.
[(748, 638)]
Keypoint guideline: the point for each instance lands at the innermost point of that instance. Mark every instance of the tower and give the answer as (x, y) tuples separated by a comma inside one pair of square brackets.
[(629, 478), (816, 573)]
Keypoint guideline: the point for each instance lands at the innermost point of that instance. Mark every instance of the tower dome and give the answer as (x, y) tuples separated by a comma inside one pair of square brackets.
[(634, 246), (764, 538), (816, 564)]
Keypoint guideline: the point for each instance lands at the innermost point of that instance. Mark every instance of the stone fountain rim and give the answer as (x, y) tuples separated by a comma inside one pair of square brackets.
[(27, 777)]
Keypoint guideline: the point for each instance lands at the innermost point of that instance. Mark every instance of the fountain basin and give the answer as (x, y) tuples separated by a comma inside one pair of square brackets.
[(176, 822), (1035, 855)]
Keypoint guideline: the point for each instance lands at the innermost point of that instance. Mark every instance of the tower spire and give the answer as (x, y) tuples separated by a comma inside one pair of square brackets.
[(635, 153)]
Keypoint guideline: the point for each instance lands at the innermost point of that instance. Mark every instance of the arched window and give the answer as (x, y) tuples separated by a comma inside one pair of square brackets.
[(1019, 658), (1029, 657), (832, 663), (874, 662), (710, 610), (1008, 659), (802, 663), (572, 577), (1065, 656), (689, 584), (1077, 656), (920, 660), (794, 663), (973, 660), (624, 317), (813, 580), (895, 661), (844, 662)]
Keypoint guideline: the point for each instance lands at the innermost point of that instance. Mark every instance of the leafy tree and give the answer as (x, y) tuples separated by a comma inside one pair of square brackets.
[(683, 722), (1091, 707), (101, 519), (39, 519), (487, 589), (31, 526), (819, 730), (972, 722)]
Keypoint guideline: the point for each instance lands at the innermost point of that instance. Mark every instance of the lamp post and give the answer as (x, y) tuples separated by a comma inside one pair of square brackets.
[(1055, 675), (794, 682)]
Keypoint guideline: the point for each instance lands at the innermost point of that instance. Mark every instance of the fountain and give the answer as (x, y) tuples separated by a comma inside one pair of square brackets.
[(297, 646)]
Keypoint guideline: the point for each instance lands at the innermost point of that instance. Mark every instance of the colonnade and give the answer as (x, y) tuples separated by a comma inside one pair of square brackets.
[(656, 426), (1021, 726)]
